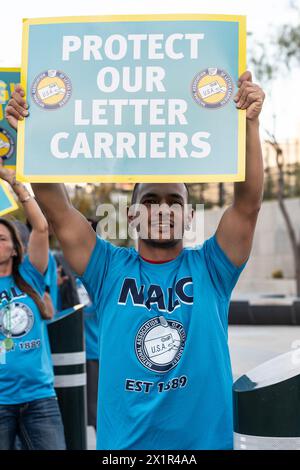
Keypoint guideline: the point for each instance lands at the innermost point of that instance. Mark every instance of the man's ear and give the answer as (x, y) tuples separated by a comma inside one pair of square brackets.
[(188, 220)]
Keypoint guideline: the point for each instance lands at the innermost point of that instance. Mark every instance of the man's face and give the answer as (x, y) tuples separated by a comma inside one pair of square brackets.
[(162, 218)]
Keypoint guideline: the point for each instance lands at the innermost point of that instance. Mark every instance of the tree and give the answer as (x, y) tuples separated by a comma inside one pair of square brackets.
[(280, 196), (281, 52), (285, 52)]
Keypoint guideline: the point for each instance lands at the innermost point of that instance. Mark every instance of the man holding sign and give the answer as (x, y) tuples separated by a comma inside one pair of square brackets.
[(165, 373)]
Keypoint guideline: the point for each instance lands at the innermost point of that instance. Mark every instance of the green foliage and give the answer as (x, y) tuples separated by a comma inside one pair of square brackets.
[(288, 42), (263, 69), (280, 53)]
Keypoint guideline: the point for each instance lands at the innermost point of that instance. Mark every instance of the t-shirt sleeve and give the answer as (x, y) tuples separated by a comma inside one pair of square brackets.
[(50, 277), (31, 275), (223, 272), (97, 268), (48, 272)]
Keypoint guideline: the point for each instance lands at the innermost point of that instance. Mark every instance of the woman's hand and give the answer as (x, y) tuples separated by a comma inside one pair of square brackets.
[(16, 108), (7, 174)]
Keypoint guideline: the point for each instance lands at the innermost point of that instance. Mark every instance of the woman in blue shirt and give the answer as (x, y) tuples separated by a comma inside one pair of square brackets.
[(28, 403)]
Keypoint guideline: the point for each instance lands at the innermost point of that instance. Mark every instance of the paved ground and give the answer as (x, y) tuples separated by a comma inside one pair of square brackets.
[(249, 347), (252, 345), (91, 438)]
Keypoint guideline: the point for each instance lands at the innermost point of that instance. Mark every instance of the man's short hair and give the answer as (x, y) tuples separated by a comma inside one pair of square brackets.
[(93, 223), (135, 191)]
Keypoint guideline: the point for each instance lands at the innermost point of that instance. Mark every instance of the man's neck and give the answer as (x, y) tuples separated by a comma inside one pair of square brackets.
[(6, 268), (153, 253)]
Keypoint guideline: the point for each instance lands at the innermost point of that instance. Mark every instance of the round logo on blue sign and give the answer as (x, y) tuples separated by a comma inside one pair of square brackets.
[(51, 89), (212, 88)]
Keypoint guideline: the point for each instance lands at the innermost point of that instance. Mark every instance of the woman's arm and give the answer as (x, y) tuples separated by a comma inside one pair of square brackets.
[(38, 245), (74, 233)]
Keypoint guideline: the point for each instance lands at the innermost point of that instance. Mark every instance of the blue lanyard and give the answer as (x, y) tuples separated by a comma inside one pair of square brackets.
[(5, 304)]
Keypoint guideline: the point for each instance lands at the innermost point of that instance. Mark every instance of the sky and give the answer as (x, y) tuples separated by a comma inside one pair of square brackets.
[(263, 17)]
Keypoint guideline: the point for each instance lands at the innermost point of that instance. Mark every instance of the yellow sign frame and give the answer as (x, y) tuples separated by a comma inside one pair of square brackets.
[(14, 206), (239, 176), (10, 69)]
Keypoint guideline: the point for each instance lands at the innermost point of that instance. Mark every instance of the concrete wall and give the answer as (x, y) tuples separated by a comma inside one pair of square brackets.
[(271, 249)]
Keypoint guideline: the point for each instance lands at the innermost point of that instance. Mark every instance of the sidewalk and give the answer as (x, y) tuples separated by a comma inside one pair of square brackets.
[(251, 345)]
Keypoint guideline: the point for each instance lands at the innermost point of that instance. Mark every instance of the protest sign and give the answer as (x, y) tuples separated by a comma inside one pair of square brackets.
[(7, 202), (133, 99), (9, 77)]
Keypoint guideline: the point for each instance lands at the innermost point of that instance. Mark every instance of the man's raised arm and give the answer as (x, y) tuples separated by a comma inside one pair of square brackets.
[(74, 233), (76, 236), (236, 228)]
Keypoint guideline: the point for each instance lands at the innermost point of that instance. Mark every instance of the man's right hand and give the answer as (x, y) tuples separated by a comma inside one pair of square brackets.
[(16, 108)]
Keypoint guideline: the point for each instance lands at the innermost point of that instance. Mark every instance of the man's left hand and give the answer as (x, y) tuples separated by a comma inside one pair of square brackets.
[(250, 96)]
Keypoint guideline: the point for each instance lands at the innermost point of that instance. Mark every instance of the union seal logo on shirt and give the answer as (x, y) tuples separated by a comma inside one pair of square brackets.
[(7, 144), (51, 89), (159, 344), (212, 88), (16, 320)]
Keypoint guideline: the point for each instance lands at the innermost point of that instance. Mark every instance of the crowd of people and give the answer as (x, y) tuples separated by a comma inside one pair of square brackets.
[(36, 284)]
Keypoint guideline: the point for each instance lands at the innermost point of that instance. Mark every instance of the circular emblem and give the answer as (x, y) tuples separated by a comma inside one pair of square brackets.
[(212, 88), (16, 320), (7, 144), (51, 89), (159, 344)]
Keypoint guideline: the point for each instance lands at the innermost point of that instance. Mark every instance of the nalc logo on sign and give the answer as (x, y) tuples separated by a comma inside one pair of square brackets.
[(51, 89)]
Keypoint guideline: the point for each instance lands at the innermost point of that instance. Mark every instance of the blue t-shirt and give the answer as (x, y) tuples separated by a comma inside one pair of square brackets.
[(165, 374), (26, 371), (90, 322)]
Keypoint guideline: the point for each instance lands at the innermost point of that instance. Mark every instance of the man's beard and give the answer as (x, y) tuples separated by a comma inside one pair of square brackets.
[(161, 243)]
